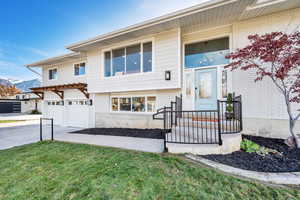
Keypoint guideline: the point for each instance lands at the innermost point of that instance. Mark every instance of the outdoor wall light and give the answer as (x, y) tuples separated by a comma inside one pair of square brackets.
[(167, 75), (90, 102)]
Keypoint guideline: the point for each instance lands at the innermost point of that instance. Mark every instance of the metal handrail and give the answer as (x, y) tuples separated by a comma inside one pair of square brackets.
[(41, 128)]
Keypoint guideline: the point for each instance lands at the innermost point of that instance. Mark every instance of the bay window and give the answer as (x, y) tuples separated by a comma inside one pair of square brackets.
[(128, 60), (134, 104)]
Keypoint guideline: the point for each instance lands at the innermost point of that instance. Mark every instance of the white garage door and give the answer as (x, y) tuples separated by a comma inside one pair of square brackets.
[(55, 110), (77, 113)]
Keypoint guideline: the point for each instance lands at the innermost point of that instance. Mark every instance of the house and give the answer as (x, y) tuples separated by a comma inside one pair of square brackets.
[(29, 102), (121, 78), (25, 102)]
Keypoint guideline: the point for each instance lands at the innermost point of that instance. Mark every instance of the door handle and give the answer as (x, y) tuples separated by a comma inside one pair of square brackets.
[(196, 88)]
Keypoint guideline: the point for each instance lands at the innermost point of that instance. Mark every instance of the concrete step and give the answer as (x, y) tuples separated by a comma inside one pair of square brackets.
[(231, 143)]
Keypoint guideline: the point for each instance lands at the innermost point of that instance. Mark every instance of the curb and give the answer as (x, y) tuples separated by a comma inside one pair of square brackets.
[(289, 178)]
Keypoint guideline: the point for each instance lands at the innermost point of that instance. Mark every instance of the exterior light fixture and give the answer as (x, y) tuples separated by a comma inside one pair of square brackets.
[(167, 75)]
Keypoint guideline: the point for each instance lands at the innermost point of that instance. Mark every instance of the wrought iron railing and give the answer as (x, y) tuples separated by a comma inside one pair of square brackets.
[(200, 126)]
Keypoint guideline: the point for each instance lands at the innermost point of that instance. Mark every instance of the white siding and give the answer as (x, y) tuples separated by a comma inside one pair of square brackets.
[(165, 57), (65, 74), (261, 99)]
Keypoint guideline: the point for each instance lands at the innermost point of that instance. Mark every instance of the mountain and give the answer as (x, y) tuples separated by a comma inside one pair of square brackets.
[(5, 82), (26, 85)]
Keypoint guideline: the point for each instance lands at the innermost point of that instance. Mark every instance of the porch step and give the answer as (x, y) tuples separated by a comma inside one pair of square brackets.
[(231, 143)]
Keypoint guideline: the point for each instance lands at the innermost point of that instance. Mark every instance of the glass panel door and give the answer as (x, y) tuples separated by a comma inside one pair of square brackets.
[(206, 89)]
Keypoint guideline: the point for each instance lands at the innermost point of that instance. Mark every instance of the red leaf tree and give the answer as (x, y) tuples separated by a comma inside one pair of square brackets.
[(275, 56)]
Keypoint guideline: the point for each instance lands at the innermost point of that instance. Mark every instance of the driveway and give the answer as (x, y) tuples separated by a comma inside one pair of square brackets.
[(20, 135)]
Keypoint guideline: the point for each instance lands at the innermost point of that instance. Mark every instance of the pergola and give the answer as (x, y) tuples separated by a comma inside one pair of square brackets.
[(59, 89)]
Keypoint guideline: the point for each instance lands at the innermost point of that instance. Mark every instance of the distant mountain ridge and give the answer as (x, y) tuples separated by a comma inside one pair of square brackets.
[(24, 86)]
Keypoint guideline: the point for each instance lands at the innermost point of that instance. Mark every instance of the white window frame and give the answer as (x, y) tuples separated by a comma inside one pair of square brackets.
[(49, 74), (79, 65), (141, 42), (132, 96)]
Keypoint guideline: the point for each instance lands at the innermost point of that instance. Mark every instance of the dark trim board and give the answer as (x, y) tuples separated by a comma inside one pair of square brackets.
[(10, 107)]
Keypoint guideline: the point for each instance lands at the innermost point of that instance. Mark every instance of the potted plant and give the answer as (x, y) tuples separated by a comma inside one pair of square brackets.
[(229, 115)]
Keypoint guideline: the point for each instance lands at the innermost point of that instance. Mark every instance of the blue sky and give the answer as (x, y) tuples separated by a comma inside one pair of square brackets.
[(32, 30)]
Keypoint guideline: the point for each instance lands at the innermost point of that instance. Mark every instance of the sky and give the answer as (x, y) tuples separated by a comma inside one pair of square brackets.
[(32, 30)]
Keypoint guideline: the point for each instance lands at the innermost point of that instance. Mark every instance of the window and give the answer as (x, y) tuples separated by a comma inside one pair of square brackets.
[(52, 74), (133, 59), (224, 83), (125, 104), (207, 53), (128, 60), (79, 69), (151, 102), (147, 57), (107, 64), (134, 104), (115, 104), (118, 62), (138, 104)]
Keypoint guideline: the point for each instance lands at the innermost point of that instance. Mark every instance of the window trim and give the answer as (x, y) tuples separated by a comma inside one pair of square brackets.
[(79, 65), (124, 45), (132, 96), (49, 74)]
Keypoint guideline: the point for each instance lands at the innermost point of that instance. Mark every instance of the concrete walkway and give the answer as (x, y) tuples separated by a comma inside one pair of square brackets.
[(20, 135)]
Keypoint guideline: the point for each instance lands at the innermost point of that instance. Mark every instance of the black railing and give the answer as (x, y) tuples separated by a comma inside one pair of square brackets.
[(200, 126), (41, 128)]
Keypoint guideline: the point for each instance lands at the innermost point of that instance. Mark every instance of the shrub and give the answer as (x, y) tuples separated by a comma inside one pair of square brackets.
[(35, 112)]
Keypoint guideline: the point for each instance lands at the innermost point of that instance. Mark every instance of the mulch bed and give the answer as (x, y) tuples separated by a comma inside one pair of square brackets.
[(126, 132), (289, 161)]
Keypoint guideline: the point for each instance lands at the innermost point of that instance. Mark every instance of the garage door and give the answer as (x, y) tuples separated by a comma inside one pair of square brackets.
[(55, 110), (77, 113), (10, 107)]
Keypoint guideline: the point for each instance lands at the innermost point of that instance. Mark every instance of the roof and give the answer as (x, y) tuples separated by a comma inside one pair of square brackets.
[(60, 87), (204, 16), (58, 59)]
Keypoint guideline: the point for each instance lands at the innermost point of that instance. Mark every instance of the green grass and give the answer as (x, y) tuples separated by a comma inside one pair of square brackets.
[(53, 170), (10, 121)]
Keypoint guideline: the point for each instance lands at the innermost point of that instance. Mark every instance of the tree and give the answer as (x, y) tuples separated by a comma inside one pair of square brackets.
[(6, 91), (275, 56)]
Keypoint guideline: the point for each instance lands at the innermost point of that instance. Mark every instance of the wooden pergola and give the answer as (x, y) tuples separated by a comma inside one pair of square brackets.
[(59, 89)]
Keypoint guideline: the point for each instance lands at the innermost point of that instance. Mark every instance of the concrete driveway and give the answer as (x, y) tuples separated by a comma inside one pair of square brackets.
[(20, 135), (26, 134)]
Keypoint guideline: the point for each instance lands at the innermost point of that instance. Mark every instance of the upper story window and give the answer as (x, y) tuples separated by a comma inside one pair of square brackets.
[(128, 60), (208, 53), (79, 69), (52, 74)]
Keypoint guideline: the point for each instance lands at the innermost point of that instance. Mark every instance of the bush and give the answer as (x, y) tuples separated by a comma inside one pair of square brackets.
[(35, 112), (252, 147)]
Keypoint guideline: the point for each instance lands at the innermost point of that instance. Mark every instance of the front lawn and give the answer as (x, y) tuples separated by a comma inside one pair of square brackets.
[(10, 121), (54, 170)]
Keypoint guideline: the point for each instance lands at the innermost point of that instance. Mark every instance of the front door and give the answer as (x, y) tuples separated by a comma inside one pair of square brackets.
[(206, 89)]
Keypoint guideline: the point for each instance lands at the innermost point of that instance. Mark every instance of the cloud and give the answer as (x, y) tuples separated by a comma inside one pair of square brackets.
[(162, 7)]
